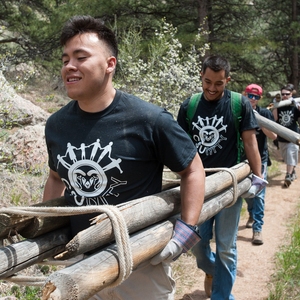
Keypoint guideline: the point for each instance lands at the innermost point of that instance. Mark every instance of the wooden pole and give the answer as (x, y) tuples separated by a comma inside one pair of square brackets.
[(21, 255), (280, 130), (14, 257), (30, 227), (146, 211), (164, 204), (88, 276)]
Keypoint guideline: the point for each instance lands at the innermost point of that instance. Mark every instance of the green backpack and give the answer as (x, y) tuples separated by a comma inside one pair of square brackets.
[(236, 108)]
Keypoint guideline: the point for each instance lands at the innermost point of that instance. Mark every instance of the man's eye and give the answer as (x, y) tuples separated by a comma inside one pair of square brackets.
[(65, 62), (82, 58)]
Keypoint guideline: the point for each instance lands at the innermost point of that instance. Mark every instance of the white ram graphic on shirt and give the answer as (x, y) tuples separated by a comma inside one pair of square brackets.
[(86, 167)]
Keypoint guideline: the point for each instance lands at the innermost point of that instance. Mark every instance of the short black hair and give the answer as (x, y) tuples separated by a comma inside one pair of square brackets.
[(83, 24), (216, 63)]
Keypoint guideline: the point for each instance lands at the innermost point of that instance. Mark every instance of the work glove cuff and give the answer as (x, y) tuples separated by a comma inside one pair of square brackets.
[(186, 236), (257, 184)]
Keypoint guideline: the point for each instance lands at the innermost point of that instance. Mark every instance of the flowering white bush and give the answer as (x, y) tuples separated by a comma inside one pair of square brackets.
[(167, 77)]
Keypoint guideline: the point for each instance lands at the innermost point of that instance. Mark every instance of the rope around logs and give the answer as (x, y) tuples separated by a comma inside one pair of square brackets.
[(234, 181), (118, 224), (113, 213)]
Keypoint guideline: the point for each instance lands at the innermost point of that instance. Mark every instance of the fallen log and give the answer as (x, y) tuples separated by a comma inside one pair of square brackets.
[(30, 227), (145, 211), (280, 130), (21, 255), (88, 276)]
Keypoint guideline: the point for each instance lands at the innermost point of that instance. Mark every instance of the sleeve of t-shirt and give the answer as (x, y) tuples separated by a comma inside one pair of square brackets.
[(248, 121), (181, 117), (174, 147)]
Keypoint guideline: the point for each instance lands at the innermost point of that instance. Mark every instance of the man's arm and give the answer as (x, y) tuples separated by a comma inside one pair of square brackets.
[(275, 114), (252, 152), (192, 197), (192, 189), (270, 134), (54, 187)]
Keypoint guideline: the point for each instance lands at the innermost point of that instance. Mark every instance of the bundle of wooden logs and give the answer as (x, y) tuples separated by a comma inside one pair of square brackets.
[(149, 222)]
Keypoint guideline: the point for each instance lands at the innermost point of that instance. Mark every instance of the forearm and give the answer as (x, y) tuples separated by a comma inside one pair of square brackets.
[(254, 159), (192, 190), (270, 134), (54, 188), (252, 152)]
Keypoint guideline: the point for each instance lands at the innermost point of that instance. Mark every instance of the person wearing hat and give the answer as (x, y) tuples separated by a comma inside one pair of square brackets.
[(256, 205)]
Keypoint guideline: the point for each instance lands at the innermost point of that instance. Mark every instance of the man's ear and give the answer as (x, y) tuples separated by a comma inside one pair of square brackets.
[(111, 64), (228, 79)]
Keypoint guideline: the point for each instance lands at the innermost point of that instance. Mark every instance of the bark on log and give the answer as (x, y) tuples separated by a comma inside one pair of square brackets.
[(30, 227), (284, 103), (21, 255), (145, 211), (280, 130), (224, 179), (86, 277)]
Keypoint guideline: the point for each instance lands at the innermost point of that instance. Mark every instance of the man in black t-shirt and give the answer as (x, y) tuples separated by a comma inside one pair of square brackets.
[(109, 147), (287, 116), (214, 134)]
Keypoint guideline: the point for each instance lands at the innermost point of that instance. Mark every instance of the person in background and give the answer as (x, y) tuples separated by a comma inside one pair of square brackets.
[(109, 147), (287, 116), (214, 133), (256, 205)]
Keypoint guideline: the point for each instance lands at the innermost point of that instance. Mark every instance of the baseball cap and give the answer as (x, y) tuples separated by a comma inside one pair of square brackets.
[(254, 89)]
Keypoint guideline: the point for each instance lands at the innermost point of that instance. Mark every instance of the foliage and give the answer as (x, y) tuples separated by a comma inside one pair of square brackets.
[(285, 284), (260, 38), (167, 76), (26, 293)]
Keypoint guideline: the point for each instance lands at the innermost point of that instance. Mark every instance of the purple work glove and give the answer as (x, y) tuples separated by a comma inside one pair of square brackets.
[(184, 238), (257, 185)]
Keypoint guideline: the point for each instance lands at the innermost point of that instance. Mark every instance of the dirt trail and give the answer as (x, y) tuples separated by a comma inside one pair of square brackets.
[(255, 263)]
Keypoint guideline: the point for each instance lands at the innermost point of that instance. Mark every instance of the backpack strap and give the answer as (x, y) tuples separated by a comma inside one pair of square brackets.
[(236, 108), (191, 109)]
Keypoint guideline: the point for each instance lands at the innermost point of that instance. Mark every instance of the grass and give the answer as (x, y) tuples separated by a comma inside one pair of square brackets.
[(285, 283)]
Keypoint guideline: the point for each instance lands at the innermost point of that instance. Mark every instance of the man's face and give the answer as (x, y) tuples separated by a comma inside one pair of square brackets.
[(213, 84), (286, 94), (86, 66)]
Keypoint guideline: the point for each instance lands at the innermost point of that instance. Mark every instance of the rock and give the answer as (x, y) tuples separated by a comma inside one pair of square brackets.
[(17, 111)]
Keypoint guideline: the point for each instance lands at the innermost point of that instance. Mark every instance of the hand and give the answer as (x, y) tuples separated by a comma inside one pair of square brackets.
[(297, 104), (184, 238), (257, 185)]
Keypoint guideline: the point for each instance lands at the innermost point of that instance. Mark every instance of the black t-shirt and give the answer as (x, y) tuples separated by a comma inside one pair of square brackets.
[(287, 117), (213, 130), (115, 155), (262, 139)]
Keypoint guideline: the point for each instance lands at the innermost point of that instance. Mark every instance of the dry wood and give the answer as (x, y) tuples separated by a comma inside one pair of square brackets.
[(30, 227), (280, 130), (21, 255), (86, 277), (146, 211), (273, 94), (22, 259), (284, 103)]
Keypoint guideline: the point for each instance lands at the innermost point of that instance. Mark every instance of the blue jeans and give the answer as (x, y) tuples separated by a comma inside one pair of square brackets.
[(223, 263), (256, 205)]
